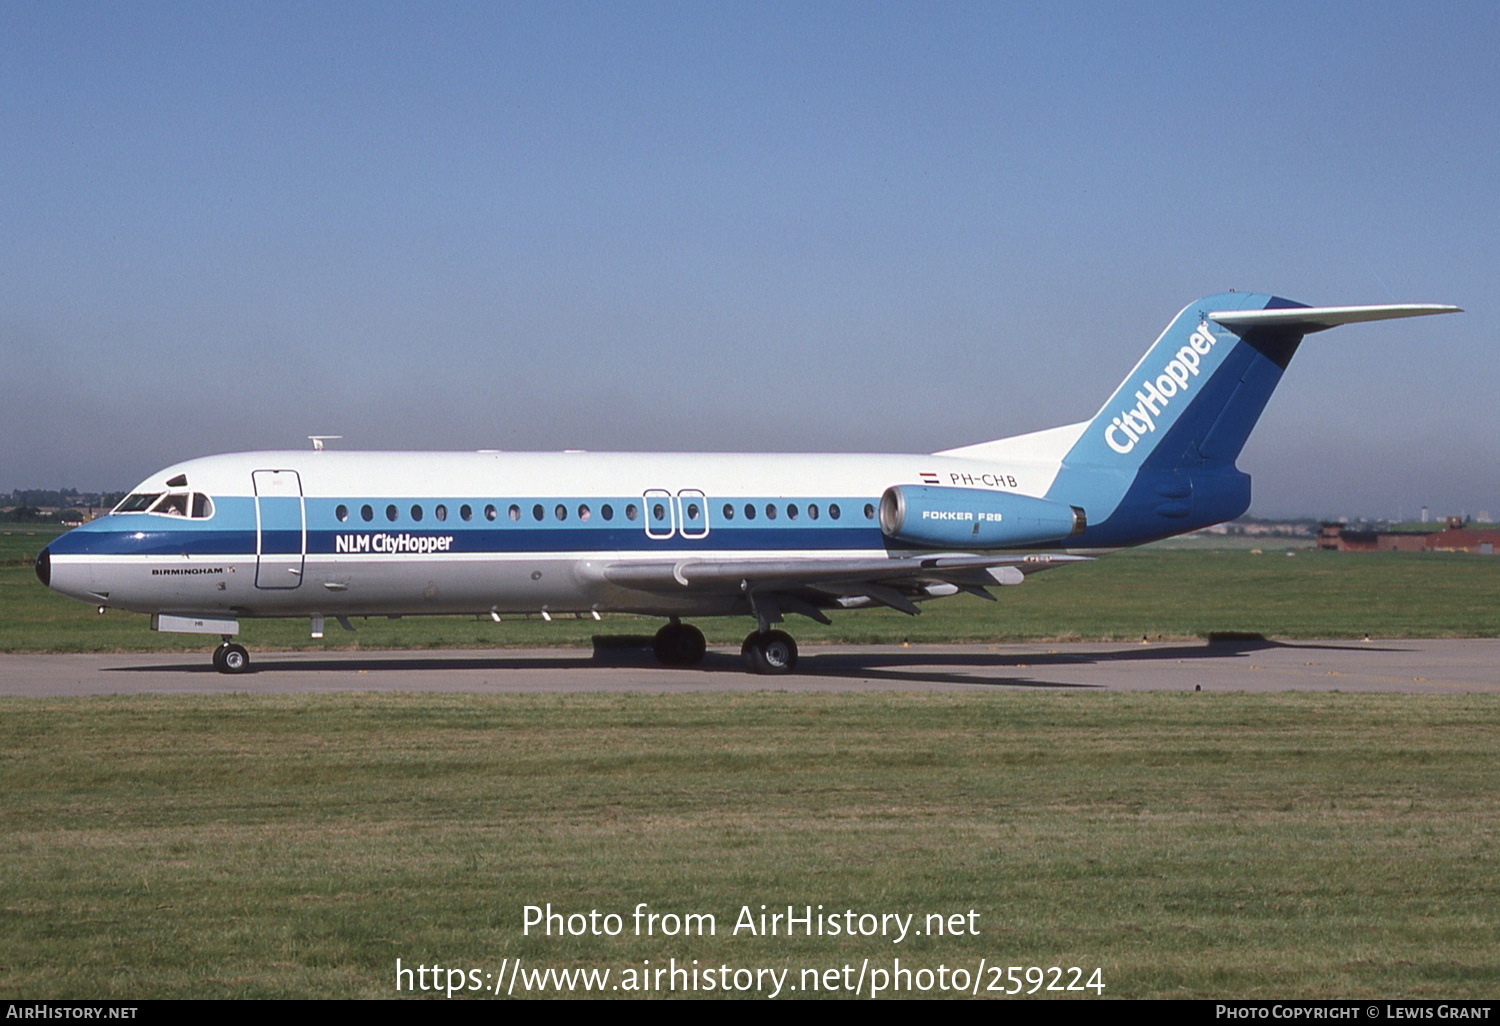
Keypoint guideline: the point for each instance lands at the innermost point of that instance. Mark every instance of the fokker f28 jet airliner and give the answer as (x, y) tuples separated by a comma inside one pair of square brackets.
[(322, 534)]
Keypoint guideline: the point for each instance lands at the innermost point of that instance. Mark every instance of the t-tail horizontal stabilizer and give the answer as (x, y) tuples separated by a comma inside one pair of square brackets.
[(1307, 319)]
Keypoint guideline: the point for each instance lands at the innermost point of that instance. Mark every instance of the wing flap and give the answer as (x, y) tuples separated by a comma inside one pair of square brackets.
[(785, 574)]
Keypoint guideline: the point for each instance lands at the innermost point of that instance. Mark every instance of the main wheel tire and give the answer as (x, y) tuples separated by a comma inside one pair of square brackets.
[(750, 653), (694, 645), (679, 644), (231, 659), (773, 652), (780, 652)]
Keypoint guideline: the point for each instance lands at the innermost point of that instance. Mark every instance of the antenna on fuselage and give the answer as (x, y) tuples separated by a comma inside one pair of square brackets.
[(318, 440)]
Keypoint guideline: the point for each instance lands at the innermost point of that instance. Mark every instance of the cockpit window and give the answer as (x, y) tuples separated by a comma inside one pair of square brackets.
[(173, 504), (137, 503)]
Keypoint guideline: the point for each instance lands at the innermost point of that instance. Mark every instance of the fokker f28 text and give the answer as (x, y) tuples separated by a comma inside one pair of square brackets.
[(321, 534)]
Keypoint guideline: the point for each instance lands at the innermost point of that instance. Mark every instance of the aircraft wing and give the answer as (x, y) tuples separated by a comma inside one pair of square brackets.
[(805, 583)]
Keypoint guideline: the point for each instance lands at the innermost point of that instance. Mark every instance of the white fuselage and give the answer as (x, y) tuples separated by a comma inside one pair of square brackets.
[(346, 533)]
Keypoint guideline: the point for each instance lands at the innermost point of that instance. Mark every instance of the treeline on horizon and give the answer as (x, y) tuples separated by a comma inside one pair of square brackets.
[(47, 505)]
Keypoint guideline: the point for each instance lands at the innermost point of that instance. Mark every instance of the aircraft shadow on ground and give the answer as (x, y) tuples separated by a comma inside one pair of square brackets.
[(953, 666), (353, 662), (894, 666)]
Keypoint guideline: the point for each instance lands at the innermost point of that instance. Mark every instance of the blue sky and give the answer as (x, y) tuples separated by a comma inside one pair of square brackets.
[(853, 227)]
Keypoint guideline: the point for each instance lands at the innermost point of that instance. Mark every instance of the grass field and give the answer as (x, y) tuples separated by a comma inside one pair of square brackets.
[(1151, 591), (1188, 845)]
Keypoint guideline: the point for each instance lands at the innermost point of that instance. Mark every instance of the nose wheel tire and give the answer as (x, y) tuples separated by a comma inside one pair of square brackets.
[(770, 652), (679, 644), (231, 658)]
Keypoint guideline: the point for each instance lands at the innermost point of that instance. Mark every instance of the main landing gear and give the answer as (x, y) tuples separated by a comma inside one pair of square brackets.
[(765, 651), (679, 644), (231, 658), (770, 652)]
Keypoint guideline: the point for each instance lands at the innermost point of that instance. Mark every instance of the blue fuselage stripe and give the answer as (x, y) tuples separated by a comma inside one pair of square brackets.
[(232, 530)]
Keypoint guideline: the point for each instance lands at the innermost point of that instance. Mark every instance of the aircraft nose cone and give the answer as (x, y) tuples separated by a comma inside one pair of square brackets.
[(44, 567)]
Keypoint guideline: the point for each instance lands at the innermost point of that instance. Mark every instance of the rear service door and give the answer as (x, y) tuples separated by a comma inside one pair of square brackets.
[(280, 529)]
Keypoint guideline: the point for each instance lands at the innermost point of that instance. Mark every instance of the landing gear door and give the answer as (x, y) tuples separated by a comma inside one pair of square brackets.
[(280, 529)]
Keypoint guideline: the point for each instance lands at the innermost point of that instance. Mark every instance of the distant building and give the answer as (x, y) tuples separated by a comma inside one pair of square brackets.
[(1464, 540), (1456, 537), (1337, 537)]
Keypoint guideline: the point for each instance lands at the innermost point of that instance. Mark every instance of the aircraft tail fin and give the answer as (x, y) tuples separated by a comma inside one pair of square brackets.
[(1158, 458)]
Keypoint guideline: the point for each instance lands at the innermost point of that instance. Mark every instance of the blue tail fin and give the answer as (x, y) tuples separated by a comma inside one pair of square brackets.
[(1159, 457)]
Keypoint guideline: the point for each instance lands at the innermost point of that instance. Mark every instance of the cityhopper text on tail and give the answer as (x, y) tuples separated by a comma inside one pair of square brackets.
[(323, 534)]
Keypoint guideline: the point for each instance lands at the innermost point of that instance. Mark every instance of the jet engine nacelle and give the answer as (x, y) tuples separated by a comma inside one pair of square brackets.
[(973, 518)]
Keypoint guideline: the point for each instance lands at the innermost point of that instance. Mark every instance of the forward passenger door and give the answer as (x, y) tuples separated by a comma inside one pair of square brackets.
[(280, 529)]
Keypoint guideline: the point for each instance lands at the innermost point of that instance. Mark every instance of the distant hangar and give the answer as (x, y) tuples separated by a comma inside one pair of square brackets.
[(1456, 537)]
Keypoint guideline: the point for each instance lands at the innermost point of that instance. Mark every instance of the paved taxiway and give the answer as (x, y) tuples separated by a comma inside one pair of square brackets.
[(1416, 666)]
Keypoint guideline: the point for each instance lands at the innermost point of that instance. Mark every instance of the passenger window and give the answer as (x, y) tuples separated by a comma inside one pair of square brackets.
[(833, 510), (812, 510), (770, 511), (583, 513), (659, 511), (537, 512), (514, 512), (607, 511), (416, 513), (366, 513), (441, 512), (692, 511), (869, 512), (391, 513), (791, 512), (561, 512), (631, 512), (749, 511), (728, 511), (342, 513), (490, 512), (203, 507), (466, 512)]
